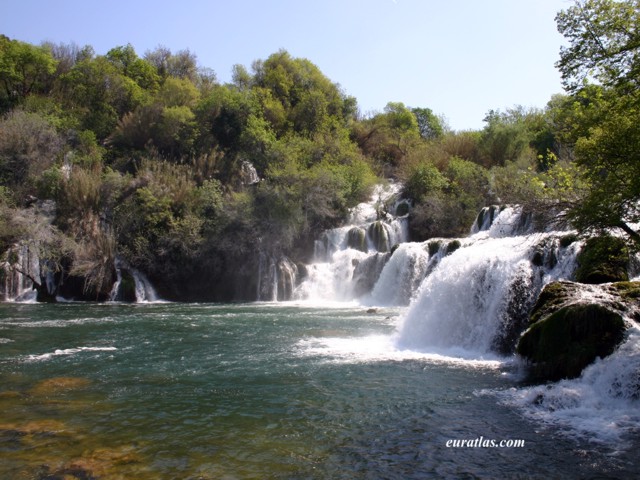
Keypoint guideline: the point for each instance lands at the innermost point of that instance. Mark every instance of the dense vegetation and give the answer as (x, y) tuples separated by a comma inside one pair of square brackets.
[(152, 160)]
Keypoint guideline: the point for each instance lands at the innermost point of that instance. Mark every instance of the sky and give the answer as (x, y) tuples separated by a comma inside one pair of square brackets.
[(460, 58)]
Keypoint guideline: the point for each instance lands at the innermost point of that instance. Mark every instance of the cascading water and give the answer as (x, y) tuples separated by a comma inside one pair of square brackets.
[(475, 302), (401, 276), (349, 259), (276, 278), (143, 290), (23, 264), (601, 405)]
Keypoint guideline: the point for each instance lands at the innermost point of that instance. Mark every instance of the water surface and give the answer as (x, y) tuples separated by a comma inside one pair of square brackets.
[(259, 391)]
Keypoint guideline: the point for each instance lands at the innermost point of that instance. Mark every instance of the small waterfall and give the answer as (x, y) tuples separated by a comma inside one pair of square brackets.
[(248, 173), (485, 218), (349, 259), (332, 280), (402, 275), (276, 278), (142, 291), (601, 405), (115, 289), (503, 221), (22, 262)]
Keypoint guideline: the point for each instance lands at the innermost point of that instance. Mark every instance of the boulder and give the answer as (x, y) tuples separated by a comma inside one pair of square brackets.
[(567, 333), (564, 343)]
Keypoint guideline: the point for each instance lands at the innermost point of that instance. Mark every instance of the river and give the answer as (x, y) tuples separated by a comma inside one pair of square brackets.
[(268, 390)]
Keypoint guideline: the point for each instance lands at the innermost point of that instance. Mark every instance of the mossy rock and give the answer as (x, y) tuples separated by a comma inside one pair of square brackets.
[(553, 297), (567, 240), (453, 246), (562, 344), (629, 294), (433, 247), (544, 254), (603, 260), (127, 287), (379, 236), (628, 291), (357, 239)]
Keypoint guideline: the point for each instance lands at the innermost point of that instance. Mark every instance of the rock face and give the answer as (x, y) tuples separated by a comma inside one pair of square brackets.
[(573, 324)]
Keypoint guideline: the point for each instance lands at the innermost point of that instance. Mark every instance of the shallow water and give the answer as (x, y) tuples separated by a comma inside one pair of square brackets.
[(261, 391)]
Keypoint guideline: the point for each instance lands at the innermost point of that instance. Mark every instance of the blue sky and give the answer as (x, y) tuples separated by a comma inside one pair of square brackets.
[(460, 58)]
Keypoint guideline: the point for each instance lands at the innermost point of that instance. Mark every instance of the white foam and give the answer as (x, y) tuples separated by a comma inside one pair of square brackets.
[(603, 405), (58, 323), (69, 351), (461, 303), (378, 348)]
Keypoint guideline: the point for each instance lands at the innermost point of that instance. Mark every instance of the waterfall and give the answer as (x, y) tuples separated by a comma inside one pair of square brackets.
[(22, 262), (131, 285), (248, 173), (276, 278), (402, 275), (601, 405), (144, 289), (476, 299), (349, 259)]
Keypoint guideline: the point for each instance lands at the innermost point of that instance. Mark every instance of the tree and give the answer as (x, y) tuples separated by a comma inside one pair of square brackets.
[(182, 64), (129, 64), (611, 156), (99, 94), (24, 69), (604, 43), (429, 125)]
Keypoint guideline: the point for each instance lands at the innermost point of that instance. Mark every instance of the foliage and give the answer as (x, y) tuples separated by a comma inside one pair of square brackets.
[(144, 156), (602, 260), (29, 145), (24, 70), (611, 159), (430, 125), (603, 40)]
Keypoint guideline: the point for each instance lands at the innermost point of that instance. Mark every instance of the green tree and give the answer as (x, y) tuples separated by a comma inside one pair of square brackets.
[(24, 69), (129, 64), (429, 124), (611, 157), (604, 40), (99, 94)]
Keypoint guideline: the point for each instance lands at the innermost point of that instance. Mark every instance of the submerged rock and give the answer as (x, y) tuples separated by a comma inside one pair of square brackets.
[(57, 385), (572, 324)]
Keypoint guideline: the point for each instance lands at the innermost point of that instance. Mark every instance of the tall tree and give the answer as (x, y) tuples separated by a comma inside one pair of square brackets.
[(604, 41)]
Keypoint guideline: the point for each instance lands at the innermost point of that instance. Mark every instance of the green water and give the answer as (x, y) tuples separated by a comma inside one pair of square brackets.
[(253, 391)]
